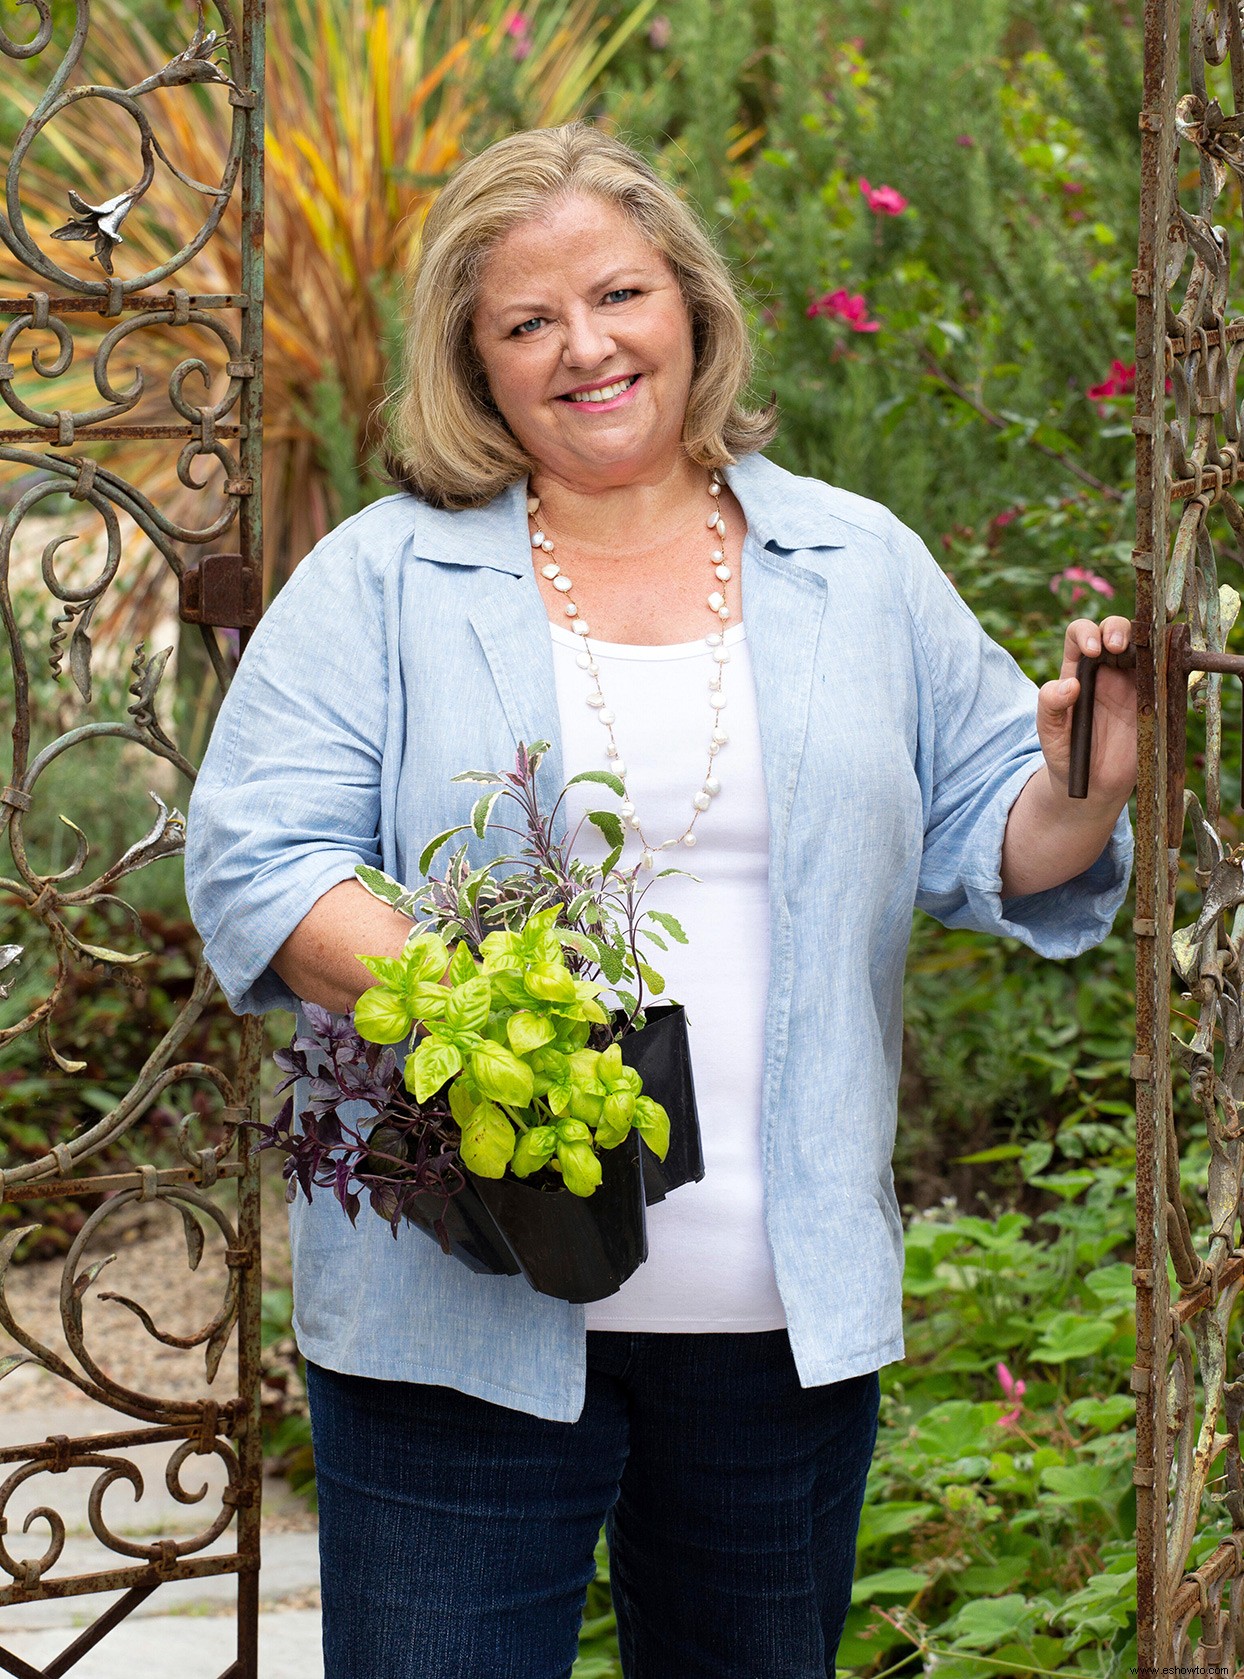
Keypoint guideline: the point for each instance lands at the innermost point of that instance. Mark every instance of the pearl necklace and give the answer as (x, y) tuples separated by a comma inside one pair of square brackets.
[(717, 605)]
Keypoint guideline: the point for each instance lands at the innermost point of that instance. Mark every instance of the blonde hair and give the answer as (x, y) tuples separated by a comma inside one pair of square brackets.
[(447, 441)]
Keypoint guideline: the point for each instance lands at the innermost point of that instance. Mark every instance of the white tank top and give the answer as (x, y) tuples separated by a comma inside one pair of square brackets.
[(709, 1265)]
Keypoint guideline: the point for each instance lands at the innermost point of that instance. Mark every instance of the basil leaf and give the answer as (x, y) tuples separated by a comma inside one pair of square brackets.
[(653, 1124), (466, 1009), (487, 1142), (381, 1017), (535, 1149), (527, 1031), (501, 1075), (428, 1068), (580, 1168)]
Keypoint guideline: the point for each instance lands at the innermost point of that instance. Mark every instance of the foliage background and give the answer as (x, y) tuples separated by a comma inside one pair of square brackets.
[(966, 362)]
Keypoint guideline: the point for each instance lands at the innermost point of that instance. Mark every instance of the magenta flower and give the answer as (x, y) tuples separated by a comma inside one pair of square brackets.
[(965, 140), (1076, 575), (882, 201), (1120, 382), (659, 32), (1013, 1391), (518, 28), (842, 305)]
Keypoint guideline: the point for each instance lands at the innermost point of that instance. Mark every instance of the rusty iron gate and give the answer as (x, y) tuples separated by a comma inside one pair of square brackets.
[(105, 292), (1190, 462)]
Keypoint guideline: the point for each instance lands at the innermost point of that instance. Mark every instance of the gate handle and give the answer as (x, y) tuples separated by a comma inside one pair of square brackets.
[(1181, 660), (1082, 715)]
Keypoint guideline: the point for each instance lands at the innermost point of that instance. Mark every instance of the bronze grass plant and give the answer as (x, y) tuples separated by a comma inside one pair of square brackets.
[(369, 108)]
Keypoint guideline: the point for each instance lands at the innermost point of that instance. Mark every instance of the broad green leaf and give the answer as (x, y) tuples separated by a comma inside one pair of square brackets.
[(485, 778), (461, 964), (527, 1031), (1104, 1414), (433, 846), (462, 1101), (552, 982), (652, 979), (888, 1582), (1087, 1483), (389, 970), (988, 1621), (466, 1009), (653, 1124), (381, 1016), (535, 1148), (427, 1069), (426, 1001), (883, 1521), (426, 957), (580, 1168), (501, 1075), (1069, 1336), (487, 1141)]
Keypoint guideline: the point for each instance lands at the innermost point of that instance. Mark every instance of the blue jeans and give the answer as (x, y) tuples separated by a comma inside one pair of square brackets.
[(456, 1536)]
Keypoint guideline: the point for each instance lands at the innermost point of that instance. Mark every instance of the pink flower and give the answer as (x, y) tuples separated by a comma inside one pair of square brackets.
[(1013, 1391), (659, 32), (842, 305), (965, 140), (1077, 574), (882, 201), (1073, 187), (1007, 516), (518, 28), (1120, 382)]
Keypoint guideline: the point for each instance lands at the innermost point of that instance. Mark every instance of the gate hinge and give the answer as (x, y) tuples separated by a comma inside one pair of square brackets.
[(221, 590), (1142, 1276), (1142, 1477), (1140, 1068), (1141, 1378), (1150, 122)]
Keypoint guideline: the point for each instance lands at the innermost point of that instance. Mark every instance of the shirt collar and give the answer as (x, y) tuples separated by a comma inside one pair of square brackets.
[(496, 535)]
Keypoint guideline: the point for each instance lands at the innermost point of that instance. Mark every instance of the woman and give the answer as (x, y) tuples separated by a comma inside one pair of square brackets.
[(592, 551)]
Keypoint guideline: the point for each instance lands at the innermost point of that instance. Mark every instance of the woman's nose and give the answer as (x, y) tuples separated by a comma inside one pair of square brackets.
[(587, 343)]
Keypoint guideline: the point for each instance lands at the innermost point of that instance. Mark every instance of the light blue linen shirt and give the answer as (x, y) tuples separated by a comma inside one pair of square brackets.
[(413, 643)]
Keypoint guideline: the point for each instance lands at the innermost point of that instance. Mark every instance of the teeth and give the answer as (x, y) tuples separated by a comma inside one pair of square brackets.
[(606, 394)]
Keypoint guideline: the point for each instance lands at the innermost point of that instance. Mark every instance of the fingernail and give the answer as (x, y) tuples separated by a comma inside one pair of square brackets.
[(1116, 640)]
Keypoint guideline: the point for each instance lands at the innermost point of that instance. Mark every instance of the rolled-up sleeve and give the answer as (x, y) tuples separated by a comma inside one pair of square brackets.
[(287, 801), (977, 749)]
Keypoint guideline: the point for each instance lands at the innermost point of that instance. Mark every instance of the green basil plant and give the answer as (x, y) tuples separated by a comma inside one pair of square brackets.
[(498, 988)]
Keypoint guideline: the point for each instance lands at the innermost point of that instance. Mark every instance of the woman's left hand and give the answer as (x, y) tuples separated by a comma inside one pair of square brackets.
[(1112, 772)]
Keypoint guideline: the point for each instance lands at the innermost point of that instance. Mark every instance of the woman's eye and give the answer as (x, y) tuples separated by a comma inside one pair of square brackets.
[(622, 292), (526, 328)]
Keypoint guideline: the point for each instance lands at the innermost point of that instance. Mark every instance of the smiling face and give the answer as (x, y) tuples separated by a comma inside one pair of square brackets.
[(586, 344)]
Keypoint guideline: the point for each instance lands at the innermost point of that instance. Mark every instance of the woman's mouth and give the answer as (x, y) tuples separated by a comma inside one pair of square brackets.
[(606, 395)]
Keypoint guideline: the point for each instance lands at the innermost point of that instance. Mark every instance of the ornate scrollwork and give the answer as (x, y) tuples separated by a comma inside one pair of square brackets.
[(63, 402)]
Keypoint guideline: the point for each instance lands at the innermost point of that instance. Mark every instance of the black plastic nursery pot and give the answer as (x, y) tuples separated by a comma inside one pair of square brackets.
[(582, 1248)]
